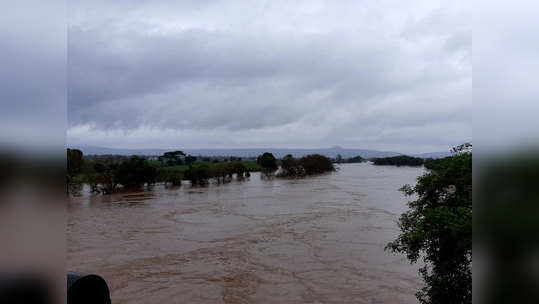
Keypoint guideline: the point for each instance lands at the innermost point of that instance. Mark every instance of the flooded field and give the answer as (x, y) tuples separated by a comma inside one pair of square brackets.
[(313, 240)]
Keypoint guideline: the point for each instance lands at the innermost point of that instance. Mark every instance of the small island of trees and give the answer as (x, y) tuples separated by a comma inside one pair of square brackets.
[(401, 160), (307, 165)]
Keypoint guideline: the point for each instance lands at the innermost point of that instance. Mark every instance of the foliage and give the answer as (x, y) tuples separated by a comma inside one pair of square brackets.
[(221, 172), (307, 165), (105, 173), (135, 172), (291, 167), (267, 161), (172, 158), (190, 159), (316, 164), (198, 175), (173, 178), (438, 227), (101, 175), (355, 159), (401, 160)]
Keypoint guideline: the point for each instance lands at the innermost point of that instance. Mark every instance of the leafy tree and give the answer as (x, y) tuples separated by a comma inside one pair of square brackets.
[(102, 176), (135, 172), (198, 175), (338, 159), (438, 228), (316, 164), (307, 165), (267, 161), (172, 158)]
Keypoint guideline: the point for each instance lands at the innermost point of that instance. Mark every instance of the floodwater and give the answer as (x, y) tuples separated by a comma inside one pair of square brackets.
[(314, 240)]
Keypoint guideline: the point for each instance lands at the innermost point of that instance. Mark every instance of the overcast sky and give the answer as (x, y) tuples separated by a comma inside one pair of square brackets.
[(387, 75)]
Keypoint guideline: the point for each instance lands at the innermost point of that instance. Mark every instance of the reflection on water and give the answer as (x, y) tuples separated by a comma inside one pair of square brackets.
[(313, 240)]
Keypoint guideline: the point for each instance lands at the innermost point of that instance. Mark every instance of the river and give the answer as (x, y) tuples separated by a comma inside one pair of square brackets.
[(315, 240)]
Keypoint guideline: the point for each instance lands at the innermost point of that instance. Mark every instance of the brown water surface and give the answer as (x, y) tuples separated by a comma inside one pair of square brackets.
[(313, 240)]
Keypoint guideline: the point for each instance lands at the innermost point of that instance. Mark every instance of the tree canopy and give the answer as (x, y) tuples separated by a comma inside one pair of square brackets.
[(438, 227), (307, 165), (267, 161), (172, 158), (401, 160)]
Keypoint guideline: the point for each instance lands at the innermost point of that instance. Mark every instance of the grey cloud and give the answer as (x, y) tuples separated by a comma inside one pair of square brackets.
[(206, 78)]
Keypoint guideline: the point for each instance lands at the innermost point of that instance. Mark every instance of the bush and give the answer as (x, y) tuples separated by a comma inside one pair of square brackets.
[(174, 178), (135, 172), (316, 164), (198, 175), (307, 165), (267, 161)]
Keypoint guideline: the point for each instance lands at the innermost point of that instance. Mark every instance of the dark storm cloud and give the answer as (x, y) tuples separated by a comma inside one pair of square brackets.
[(206, 69)]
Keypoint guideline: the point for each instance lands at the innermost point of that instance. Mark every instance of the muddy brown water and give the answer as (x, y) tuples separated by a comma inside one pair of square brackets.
[(313, 240)]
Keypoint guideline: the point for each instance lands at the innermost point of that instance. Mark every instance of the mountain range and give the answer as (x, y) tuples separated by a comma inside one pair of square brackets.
[(254, 152)]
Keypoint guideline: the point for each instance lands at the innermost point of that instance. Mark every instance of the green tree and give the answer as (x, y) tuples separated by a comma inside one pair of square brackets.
[(135, 172), (172, 158), (267, 161), (438, 228), (307, 165), (316, 164)]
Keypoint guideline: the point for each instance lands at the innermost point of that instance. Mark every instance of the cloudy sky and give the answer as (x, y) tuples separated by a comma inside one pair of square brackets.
[(387, 75)]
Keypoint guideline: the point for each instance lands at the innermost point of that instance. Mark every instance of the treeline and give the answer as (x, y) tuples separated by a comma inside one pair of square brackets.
[(401, 160), (221, 173), (107, 174), (352, 160)]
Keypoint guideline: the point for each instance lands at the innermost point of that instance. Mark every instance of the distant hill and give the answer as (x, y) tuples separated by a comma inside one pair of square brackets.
[(253, 152), (433, 155)]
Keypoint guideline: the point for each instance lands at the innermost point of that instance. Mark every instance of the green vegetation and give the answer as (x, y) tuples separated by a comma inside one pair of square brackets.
[(135, 172), (267, 161), (172, 158), (307, 165), (107, 174), (221, 172), (438, 228), (401, 160), (352, 160)]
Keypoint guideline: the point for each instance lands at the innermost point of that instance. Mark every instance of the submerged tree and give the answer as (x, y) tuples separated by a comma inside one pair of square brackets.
[(135, 172), (438, 228), (267, 161), (307, 165)]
